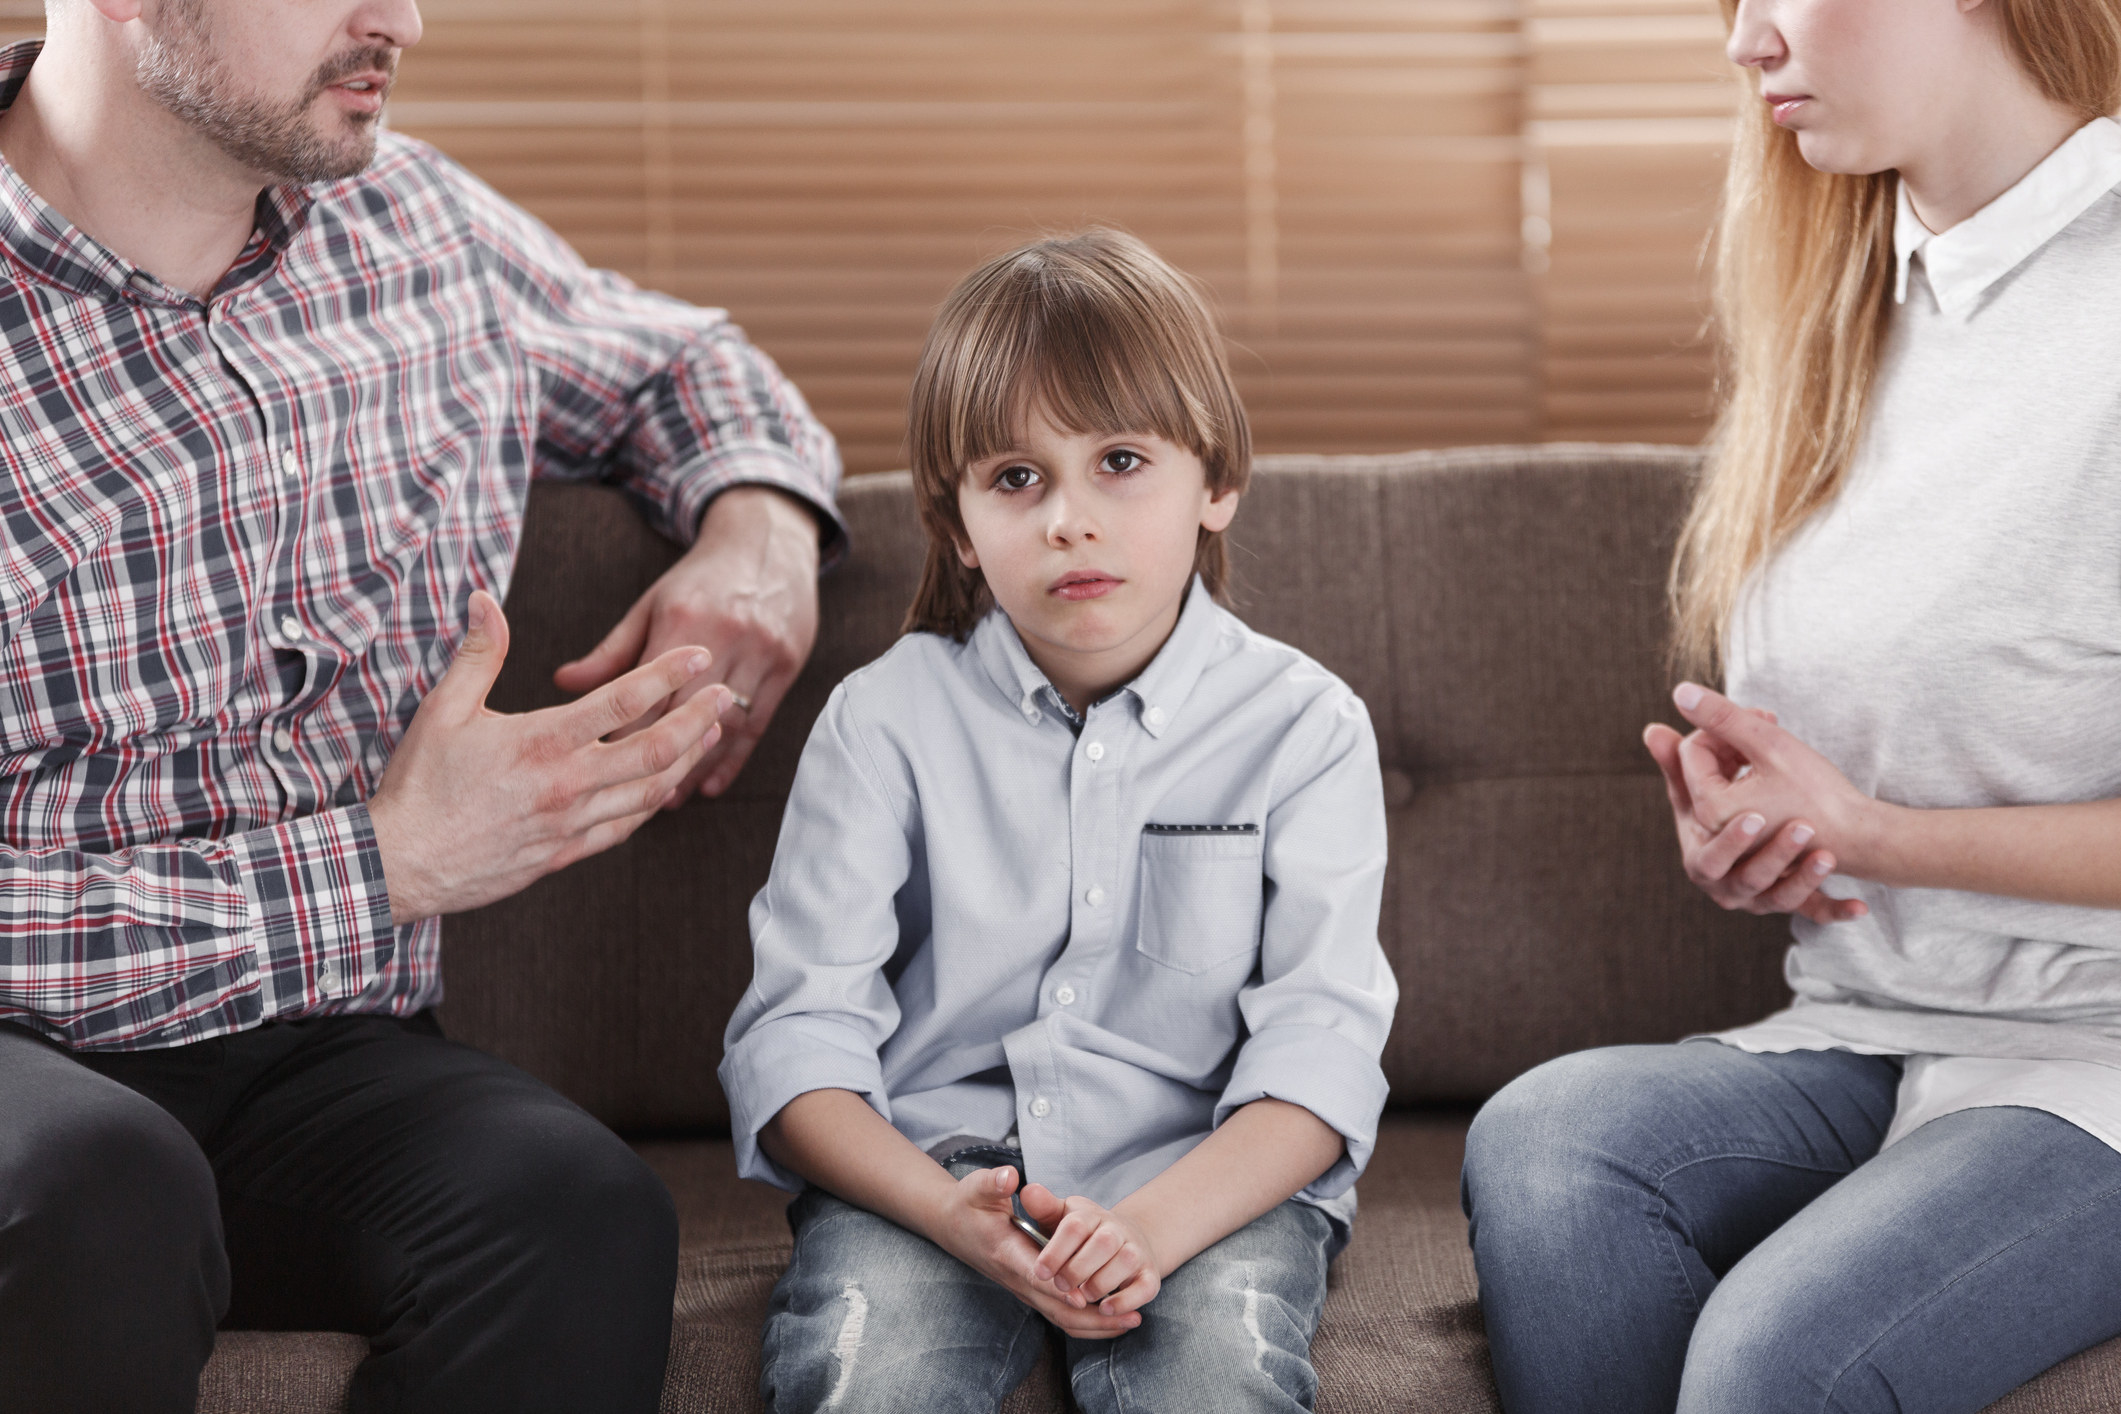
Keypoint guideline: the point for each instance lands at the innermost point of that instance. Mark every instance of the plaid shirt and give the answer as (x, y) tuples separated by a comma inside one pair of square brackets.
[(238, 537)]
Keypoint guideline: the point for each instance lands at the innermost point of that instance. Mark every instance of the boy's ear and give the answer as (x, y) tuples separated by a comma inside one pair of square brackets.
[(1221, 510), (966, 555)]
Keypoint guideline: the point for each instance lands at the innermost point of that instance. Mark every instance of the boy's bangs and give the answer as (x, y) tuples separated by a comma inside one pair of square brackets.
[(1088, 373)]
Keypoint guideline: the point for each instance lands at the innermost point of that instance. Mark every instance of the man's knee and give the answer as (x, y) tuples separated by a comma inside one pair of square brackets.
[(110, 1247), (574, 1198), (97, 1171)]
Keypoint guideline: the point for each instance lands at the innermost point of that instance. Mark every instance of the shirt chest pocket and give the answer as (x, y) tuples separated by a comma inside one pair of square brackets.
[(1201, 888)]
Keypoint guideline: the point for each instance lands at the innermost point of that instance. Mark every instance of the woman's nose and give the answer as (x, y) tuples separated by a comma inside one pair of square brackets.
[(1755, 40)]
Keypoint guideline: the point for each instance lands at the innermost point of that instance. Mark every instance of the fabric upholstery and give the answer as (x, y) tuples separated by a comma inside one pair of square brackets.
[(1499, 609)]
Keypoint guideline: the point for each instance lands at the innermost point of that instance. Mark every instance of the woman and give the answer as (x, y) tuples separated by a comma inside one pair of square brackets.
[(1904, 1192)]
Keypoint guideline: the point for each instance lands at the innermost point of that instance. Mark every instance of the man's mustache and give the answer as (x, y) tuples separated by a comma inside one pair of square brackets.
[(379, 58)]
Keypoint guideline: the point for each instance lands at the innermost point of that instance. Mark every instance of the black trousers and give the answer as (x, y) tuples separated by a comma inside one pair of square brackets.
[(501, 1249)]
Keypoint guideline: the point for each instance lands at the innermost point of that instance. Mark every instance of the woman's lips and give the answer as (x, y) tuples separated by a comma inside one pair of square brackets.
[(1783, 105), (1083, 586)]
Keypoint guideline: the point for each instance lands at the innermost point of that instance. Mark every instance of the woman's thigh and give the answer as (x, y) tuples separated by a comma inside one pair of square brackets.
[(1945, 1272), (1610, 1190), (872, 1319)]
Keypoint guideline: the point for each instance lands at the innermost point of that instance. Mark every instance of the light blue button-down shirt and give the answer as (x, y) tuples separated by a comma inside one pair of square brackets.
[(983, 916)]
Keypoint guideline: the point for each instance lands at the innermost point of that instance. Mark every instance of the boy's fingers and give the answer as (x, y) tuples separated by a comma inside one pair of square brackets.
[(1132, 1296), (1044, 1206), (1096, 1252)]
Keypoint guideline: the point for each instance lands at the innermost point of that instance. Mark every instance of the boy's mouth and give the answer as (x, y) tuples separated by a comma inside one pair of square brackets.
[(1084, 584)]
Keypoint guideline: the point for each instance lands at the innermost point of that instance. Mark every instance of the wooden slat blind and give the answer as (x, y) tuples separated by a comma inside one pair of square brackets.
[(1427, 221), (1629, 108)]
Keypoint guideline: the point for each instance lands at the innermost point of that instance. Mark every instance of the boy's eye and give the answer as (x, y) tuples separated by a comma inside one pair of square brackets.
[(1016, 478), (1123, 461)]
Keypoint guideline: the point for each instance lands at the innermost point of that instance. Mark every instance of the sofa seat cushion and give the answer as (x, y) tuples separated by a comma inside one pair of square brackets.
[(1401, 1331)]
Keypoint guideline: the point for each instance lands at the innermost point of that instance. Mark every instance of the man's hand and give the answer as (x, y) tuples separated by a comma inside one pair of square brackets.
[(475, 804), (1096, 1257), (973, 1226), (746, 591)]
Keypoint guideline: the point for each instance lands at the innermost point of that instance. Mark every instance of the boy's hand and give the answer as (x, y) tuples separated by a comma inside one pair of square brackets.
[(1096, 1257), (973, 1226)]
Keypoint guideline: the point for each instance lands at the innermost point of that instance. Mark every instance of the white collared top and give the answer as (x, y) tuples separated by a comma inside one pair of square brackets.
[(1963, 262), (1948, 632)]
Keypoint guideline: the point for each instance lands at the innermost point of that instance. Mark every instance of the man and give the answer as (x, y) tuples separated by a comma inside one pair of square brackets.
[(271, 389)]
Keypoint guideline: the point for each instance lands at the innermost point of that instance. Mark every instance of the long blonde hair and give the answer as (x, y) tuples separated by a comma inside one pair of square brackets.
[(1802, 268)]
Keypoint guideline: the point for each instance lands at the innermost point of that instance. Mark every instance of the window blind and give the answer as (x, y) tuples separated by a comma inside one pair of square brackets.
[(1426, 222)]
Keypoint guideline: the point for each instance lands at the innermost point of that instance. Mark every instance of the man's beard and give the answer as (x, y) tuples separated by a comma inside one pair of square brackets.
[(179, 69)]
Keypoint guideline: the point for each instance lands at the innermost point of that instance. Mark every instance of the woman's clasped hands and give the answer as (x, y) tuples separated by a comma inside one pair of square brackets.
[(1763, 819)]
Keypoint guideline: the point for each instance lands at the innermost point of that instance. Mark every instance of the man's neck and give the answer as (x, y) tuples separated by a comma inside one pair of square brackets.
[(125, 170)]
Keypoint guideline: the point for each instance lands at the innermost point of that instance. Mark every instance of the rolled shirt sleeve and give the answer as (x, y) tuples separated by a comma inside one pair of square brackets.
[(1321, 1007), (819, 1008), (666, 399)]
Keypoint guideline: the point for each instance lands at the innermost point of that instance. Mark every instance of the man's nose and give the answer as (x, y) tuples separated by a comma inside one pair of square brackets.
[(393, 22)]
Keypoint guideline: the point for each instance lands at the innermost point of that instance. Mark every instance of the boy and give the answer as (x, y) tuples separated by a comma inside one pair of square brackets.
[(1083, 887)]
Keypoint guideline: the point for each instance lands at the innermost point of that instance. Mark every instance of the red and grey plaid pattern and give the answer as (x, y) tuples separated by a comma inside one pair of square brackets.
[(237, 541)]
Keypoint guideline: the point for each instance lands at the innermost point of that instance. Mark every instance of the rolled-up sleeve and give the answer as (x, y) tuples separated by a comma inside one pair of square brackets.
[(1320, 1008), (819, 1006), (667, 400)]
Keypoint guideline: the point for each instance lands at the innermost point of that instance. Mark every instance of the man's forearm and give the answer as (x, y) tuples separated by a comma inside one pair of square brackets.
[(833, 1139), (1260, 1157)]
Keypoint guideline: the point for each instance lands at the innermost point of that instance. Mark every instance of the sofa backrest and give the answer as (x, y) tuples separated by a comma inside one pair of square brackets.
[(1499, 609)]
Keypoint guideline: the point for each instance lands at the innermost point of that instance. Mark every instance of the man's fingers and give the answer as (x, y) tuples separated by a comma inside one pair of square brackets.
[(627, 700), (463, 688), (620, 650), (651, 751)]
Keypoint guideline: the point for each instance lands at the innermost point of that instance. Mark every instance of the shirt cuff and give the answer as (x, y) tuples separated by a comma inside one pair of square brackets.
[(319, 909), (1328, 1075), (781, 1059), (695, 487)]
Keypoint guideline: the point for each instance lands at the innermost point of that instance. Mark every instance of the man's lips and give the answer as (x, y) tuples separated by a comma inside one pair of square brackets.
[(1083, 584), (363, 92)]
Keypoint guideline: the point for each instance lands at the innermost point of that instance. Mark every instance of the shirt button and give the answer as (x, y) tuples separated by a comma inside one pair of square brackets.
[(290, 464), (291, 629), (283, 740), (1156, 716), (1095, 751), (327, 979), (1092, 895), (1065, 995), (1040, 1107), (141, 281)]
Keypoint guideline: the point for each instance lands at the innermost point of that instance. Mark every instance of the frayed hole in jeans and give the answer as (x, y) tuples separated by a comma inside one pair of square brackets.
[(849, 1344)]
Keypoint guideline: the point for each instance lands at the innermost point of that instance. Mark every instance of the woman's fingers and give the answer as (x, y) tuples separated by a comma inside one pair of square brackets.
[(1709, 864), (1764, 869)]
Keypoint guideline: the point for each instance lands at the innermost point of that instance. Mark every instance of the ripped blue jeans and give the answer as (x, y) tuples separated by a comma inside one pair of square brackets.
[(872, 1319)]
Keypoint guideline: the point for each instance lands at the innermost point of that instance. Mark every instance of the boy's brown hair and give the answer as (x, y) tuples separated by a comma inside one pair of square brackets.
[(1104, 337)]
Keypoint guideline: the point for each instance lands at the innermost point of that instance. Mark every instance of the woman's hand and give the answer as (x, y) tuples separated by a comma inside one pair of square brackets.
[(1096, 1257), (1725, 839), (974, 1227)]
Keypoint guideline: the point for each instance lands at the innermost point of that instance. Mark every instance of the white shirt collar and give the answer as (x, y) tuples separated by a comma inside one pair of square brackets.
[(1964, 261)]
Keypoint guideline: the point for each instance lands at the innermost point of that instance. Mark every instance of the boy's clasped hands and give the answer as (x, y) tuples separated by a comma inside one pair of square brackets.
[(1763, 819), (1095, 1273)]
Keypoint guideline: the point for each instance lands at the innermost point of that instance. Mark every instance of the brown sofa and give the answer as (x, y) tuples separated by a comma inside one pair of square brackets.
[(1500, 611)]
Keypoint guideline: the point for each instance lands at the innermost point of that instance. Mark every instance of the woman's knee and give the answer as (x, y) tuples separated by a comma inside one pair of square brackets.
[(1537, 1140)]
